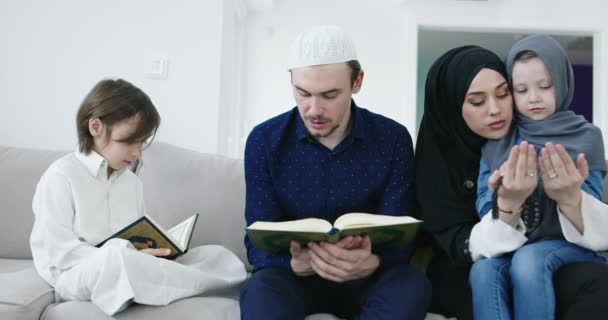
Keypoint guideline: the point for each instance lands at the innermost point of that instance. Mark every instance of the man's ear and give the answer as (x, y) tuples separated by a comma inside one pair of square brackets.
[(95, 127), (358, 82)]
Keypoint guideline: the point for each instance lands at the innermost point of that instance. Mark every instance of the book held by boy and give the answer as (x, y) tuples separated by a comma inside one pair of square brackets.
[(383, 230), (146, 233)]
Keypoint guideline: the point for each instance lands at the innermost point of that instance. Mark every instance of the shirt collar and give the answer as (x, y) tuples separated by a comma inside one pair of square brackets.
[(301, 132), (357, 131), (93, 161)]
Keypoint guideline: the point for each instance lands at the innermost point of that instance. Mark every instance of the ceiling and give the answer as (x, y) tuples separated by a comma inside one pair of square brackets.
[(432, 43)]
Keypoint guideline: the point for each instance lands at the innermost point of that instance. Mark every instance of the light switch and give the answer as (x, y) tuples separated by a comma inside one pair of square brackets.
[(158, 69)]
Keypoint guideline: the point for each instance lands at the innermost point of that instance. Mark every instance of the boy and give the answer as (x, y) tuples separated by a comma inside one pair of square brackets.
[(88, 195)]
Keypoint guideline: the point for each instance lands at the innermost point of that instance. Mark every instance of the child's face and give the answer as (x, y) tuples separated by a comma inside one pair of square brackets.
[(533, 89), (118, 154)]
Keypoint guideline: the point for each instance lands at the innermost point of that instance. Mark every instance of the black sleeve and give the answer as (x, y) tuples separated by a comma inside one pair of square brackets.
[(454, 241)]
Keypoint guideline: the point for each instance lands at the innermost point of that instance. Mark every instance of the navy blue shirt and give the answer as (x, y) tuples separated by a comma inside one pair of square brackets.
[(289, 175)]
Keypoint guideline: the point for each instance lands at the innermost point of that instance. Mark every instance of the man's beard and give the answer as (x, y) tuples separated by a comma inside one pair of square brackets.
[(321, 135), (320, 118)]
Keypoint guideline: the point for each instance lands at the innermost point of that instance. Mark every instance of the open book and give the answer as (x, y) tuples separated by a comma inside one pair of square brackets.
[(383, 230), (146, 233)]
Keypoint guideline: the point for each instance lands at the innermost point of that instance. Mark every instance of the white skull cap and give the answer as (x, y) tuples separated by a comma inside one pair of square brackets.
[(321, 45)]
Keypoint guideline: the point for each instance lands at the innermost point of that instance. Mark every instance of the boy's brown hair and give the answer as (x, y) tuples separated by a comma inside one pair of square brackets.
[(113, 101)]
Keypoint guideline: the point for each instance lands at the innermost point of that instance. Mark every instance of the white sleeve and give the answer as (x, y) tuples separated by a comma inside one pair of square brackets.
[(595, 222), (55, 247), (491, 238)]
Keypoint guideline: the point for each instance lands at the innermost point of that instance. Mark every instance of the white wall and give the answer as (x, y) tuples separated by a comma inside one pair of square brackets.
[(53, 52), (385, 33), (586, 17), (227, 70), (375, 27)]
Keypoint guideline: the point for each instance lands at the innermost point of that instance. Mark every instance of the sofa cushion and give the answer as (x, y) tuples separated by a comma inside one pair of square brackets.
[(196, 308), (186, 309), (20, 170), (180, 182), (23, 294)]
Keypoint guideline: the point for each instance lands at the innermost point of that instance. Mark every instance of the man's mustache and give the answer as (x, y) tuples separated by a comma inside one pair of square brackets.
[(315, 118)]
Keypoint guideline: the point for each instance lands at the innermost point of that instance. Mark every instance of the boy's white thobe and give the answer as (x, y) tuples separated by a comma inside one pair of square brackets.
[(76, 206)]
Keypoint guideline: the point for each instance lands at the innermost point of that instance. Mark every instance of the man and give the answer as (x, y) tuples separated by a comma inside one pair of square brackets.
[(324, 158)]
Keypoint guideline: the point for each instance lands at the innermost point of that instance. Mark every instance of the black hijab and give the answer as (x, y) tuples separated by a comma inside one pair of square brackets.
[(447, 151)]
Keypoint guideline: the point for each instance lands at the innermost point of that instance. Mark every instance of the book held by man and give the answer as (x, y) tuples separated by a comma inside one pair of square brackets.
[(146, 233), (383, 230)]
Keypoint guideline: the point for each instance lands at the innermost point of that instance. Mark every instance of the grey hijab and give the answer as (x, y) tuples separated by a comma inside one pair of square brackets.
[(563, 127)]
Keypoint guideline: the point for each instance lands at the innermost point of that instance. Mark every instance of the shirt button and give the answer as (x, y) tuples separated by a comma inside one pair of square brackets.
[(469, 185)]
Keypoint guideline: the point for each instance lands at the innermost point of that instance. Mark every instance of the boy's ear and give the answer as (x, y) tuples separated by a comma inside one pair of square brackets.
[(95, 127)]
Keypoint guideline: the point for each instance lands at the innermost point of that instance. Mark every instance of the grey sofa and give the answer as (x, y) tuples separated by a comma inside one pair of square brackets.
[(177, 183)]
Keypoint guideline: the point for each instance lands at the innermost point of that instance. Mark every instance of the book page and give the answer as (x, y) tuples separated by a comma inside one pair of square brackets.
[(181, 232), (302, 225), (359, 220)]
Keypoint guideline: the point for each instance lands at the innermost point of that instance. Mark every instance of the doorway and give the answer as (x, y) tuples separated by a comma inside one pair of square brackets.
[(433, 43)]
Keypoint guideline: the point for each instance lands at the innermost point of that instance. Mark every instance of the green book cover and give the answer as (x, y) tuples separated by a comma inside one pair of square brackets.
[(384, 231), (145, 233)]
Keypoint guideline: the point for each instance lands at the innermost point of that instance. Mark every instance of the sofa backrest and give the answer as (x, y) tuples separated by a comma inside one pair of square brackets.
[(179, 183), (20, 170)]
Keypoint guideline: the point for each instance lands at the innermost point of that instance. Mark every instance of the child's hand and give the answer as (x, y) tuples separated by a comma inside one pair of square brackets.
[(160, 252), (562, 180)]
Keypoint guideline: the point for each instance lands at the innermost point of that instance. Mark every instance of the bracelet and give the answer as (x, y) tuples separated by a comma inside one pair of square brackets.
[(509, 211)]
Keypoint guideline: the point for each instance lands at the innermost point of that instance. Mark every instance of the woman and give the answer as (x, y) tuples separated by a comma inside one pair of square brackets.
[(466, 102)]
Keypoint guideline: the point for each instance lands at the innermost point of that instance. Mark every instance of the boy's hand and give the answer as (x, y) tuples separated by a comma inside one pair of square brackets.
[(160, 252)]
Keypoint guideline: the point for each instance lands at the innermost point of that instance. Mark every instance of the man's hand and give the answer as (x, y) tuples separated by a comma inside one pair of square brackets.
[(160, 252), (338, 264), (300, 257), (300, 260)]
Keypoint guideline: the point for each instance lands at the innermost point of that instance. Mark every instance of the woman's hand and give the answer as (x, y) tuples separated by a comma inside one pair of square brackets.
[(562, 181), (518, 182)]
